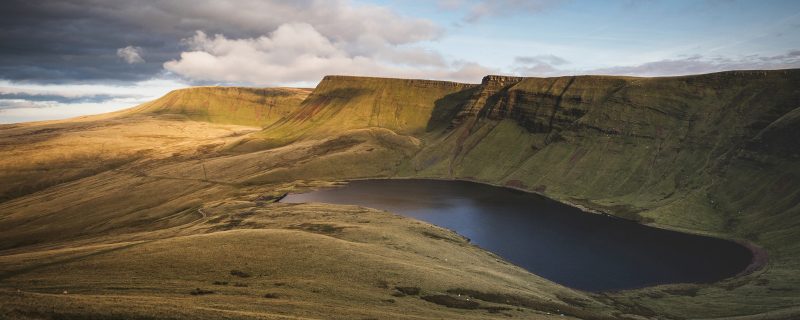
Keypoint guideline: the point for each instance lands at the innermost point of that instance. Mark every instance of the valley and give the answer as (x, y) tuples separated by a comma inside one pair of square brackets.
[(170, 209)]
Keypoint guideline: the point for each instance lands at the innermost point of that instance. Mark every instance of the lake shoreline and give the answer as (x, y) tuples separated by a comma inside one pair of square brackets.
[(755, 258)]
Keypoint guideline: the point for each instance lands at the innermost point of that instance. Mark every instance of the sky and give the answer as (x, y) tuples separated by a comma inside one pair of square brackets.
[(65, 58)]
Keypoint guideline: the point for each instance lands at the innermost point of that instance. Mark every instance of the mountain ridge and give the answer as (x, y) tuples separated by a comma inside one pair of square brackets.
[(227, 105), (709, 154)]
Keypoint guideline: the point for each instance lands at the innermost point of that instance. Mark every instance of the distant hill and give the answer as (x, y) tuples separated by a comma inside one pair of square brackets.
[(228, 105)]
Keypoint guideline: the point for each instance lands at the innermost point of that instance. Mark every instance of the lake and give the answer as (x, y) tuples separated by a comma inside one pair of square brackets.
[(561, 243)]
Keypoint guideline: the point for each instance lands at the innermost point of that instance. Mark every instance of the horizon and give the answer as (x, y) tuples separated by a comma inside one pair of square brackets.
[(73, 58), (477, 82)]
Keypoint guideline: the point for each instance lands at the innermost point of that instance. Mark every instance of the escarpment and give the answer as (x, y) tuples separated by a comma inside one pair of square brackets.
[(645, 142), (631, 146), (714, 154)]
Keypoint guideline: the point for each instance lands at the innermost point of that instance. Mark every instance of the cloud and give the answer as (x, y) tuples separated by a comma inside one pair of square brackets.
[(298, 53), (60, 41), (7, 104), (540, 65), (551, 65), (545, 58), (131, 54), (14, 111), (697, 64), (74, 93), (265, 41), (55, 98), (29, 102), (465, 72)]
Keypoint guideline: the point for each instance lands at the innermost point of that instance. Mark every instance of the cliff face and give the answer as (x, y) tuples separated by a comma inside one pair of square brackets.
[(228, 105), (640, 143), (715, 154)]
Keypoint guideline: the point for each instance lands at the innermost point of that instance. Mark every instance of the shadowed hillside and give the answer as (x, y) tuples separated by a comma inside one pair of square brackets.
[(635, 142), (714, 154)]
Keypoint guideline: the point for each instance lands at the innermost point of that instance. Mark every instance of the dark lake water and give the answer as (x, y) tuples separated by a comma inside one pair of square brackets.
[(558, 242)]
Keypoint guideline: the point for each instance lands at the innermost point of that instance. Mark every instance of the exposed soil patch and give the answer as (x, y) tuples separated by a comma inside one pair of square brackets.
[(437, 236), (271, 198), (200, 292), (495, 309), (619, 210), (451, 302), (240, 274), (322, 228), (516, 184), (411, 291), (760, 258)]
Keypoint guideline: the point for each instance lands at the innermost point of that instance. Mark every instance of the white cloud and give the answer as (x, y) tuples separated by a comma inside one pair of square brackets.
[(142, 89), (25, 111), (116, 98), (298, 53), (130, 54)]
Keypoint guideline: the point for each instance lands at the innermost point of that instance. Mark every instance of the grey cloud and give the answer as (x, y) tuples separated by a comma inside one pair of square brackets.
[(94, 98), (539, 65), (57, 41), (550, 65), (699, 64), (541, 69), (20, 104), (545, 58)]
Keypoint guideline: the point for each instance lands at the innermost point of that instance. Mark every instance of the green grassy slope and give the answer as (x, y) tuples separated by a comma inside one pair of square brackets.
[(713, 154), (710, 154), (341, 103), (228, 105), (633, 140)]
